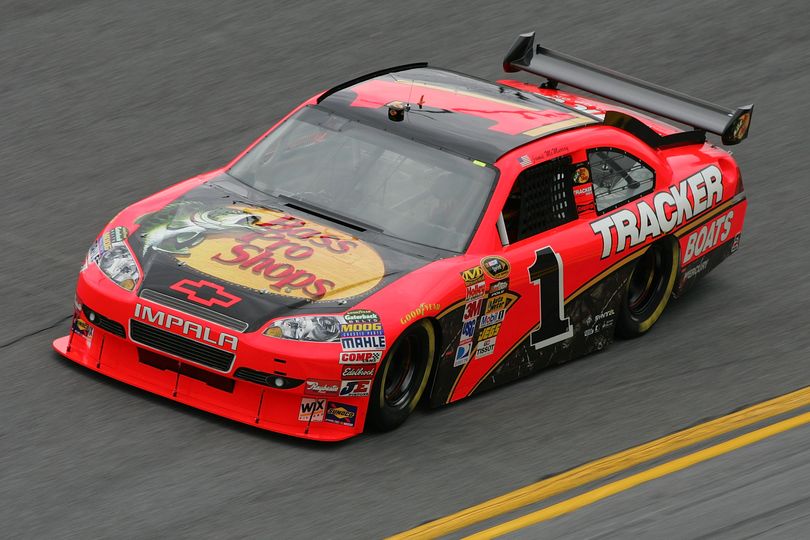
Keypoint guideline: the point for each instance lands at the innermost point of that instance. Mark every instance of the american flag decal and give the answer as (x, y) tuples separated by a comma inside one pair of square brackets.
[(524, 161)]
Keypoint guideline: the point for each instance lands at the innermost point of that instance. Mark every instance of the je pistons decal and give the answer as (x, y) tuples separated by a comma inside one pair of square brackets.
[(265, 250), (632, 226)]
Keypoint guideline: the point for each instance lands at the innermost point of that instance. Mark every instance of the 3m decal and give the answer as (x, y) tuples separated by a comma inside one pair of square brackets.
[(311, 410), (265, 250), (205, 293), (472, 308), (355, 388), (708, 236), (632, 226), (321, 388), (547, 274), (360, 357), (357, 372), (340, 413), (495, 267), (187, 328)]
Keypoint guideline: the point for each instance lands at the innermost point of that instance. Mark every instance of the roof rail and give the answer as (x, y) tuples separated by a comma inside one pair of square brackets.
[(731, 124), (368, 76)]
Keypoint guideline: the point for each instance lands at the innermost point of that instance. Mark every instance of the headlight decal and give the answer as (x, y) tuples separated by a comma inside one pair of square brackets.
[(112, 255), (356, 330)]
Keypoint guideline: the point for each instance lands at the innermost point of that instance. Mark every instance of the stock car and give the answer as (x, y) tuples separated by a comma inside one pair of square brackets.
[(413, 234)]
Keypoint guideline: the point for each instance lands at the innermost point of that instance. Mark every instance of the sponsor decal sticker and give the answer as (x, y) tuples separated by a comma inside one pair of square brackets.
[(476, 290), (632, 226), (205, 293), (419, 312), (704, 238), (485, 348), (355, 388), (581, 176), (311, 410), (321, 388), (498, 287), (495, 267), (360, 357), (472, 275), (368, 343), (265, 250), (488, 319), (463, 354), (489, 332), (340, 413), (189, 329), (358, 372)]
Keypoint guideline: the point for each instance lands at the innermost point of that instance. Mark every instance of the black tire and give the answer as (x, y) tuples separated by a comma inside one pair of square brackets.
[(648, 288), (402, 377)]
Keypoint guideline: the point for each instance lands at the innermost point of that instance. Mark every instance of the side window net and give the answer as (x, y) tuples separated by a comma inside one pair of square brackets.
[(618, 178), (541, 199)]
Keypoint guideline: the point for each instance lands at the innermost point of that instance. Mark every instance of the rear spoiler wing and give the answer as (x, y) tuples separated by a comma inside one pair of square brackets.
[(731, 124)]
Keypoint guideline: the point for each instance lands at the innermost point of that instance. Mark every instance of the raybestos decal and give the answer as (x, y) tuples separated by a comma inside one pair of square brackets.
[(264, 250)]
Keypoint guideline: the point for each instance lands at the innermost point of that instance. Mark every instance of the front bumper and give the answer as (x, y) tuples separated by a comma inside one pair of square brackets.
[(98, 348)]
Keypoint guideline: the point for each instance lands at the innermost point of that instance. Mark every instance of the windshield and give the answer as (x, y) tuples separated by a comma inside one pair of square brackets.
[(405, 189)]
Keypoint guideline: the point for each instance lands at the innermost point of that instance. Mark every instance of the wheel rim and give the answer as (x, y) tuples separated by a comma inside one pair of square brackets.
[(401, 381), (648, 277)]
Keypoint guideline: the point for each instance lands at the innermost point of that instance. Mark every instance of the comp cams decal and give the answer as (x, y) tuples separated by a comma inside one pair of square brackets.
[(632, 226), (264, 249)]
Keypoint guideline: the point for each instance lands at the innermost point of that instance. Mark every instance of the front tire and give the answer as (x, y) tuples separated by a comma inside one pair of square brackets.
[(649, 288), (402, 378)]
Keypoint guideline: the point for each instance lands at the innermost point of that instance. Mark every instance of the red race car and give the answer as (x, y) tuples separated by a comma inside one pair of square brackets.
[(413, 234)]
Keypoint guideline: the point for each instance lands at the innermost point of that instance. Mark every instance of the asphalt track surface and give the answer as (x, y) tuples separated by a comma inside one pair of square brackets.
[(104, 102)]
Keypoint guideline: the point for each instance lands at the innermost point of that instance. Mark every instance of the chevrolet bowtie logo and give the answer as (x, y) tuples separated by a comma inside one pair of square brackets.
[(205, 293)]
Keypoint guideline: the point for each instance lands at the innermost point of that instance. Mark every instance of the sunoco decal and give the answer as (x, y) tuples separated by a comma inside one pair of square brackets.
[(340, 413), (265, 250), (632, 226)]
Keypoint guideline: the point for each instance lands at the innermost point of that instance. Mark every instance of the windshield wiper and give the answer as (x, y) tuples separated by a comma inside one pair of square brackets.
[(327, 214)]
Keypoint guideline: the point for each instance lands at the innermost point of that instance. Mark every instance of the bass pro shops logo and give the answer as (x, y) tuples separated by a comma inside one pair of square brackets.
[(630, 227)]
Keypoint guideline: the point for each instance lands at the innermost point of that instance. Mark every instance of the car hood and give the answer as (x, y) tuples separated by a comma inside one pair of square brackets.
[(235, 256)]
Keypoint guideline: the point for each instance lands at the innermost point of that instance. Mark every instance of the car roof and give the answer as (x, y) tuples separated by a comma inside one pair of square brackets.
[(465, 115)]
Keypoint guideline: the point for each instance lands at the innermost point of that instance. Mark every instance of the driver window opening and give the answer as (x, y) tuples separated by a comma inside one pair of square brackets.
[(541, 199), (617, 178)]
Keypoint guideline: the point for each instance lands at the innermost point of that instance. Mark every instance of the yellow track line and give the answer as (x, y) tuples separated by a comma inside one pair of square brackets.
[(664, 469), (607, 466)]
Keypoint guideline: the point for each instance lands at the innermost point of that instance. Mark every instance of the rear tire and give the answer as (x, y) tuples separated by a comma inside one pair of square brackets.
[(649, 288), (402, 378)]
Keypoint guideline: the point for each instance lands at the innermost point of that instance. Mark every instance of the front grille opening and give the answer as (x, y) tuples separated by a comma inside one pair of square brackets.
[(159, 361), (105, 323), (180, 346), (267, 379)]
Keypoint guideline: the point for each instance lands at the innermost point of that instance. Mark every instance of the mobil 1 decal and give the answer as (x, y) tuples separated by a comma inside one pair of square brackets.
[(634, 225)]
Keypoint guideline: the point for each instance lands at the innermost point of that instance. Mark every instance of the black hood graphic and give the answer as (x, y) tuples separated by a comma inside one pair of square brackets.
[(235, 256)]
